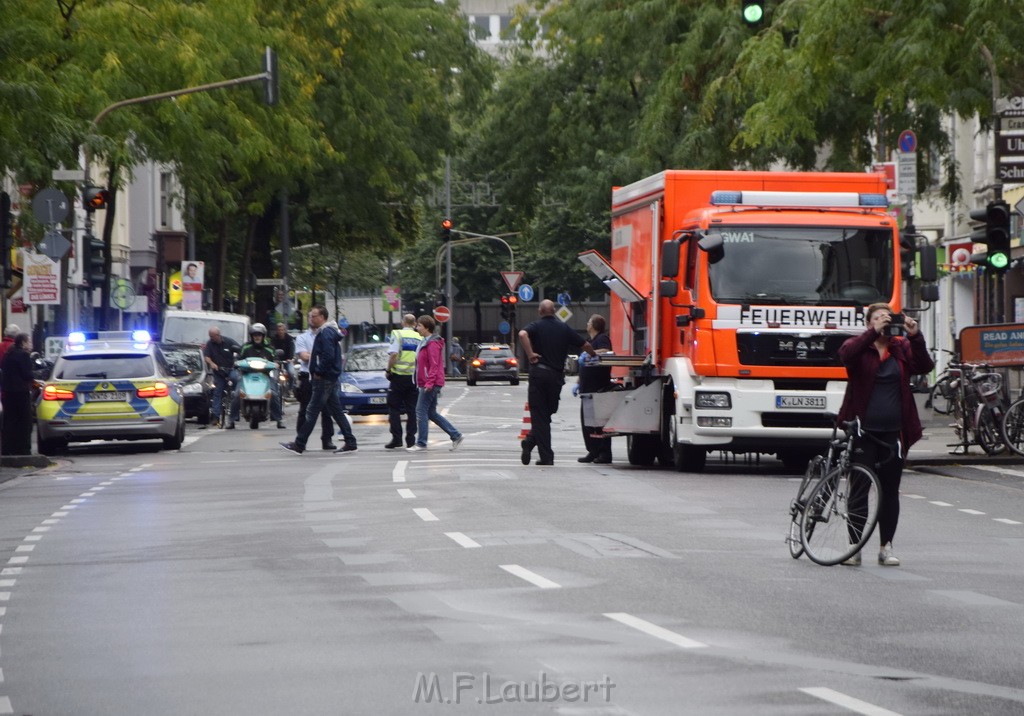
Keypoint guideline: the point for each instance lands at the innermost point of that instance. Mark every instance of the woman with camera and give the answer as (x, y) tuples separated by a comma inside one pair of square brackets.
[(879, 363)]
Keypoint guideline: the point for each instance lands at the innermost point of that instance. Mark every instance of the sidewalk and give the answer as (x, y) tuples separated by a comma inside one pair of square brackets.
[(933, 448)]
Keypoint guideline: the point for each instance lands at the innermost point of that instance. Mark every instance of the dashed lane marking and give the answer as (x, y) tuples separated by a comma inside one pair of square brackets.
[(398, 473), (847, 702), (654, 630), (406, 494), (531, 577), (940, 503), (463, 540), (424, 514), (1006, 521)]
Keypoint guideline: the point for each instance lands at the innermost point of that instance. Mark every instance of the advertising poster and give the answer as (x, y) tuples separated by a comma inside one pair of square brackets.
[(997, 345), (392, 298), (42, 279), (174, 289), (192, 279)]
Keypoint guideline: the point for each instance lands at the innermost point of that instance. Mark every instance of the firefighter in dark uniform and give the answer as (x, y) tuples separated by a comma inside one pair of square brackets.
[(546, 343)]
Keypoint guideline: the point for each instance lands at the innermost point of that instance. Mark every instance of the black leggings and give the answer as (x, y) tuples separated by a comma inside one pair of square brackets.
[(869, 453)]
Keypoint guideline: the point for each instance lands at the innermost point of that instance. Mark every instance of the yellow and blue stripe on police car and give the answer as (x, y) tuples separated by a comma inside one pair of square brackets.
[(109, 399)]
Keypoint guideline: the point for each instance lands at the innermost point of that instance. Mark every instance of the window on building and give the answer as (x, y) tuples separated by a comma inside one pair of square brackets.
[(481, 27), (166, 199)]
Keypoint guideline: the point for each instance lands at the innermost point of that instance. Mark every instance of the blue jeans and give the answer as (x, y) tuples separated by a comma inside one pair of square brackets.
[(324, 395), (426, 412), (220, 383)]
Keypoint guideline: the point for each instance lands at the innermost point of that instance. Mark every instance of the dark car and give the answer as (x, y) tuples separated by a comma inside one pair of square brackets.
[(363, 386), (186, 364), (492, 361)]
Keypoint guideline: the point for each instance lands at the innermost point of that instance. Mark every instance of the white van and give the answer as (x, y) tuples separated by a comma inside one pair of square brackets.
[(193, 327)]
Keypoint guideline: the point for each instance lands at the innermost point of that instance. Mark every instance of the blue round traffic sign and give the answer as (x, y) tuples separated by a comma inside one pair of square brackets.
[(504, 328), (526, 292), (907, 141)]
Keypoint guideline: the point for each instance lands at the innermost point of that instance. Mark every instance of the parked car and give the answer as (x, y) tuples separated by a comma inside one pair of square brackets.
[(112, 385), (186, 363), (492, 361), (363, 386)]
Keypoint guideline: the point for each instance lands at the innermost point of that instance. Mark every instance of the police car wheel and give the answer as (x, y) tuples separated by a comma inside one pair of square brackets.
[(52, 447)]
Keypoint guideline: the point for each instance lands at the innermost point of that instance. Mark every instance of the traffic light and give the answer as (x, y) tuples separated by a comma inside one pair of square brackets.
[(995, 234), (906, 257), (446, 230), (513, 301), (93, 251), (94, 197), (505, 307), (753, 12)]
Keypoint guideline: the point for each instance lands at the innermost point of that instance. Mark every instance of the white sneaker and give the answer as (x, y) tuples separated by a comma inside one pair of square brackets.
[(853, 561), (416, 448), (886, 558), (456, 442)]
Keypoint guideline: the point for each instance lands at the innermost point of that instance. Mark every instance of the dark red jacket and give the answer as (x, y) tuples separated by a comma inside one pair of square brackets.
[(861, 359)]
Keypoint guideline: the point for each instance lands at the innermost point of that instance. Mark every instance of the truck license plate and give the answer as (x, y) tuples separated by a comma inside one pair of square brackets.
[(800, 402)]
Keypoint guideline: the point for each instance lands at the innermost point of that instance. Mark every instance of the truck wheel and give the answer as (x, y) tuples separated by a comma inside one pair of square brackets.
[(689, 458), (642, 449)]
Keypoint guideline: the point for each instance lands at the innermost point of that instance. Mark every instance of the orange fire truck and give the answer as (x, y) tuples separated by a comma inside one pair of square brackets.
[(732, 294)]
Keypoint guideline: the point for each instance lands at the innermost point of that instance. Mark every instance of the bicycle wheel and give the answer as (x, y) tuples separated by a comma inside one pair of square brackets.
[(941, 397), (1013, 427), (840, 515), (988, 433), (812, 474)]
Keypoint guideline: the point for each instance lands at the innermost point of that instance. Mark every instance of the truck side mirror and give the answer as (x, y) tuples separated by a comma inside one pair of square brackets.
[(668, 288), (930, 293), (669, 259), (928, 263)]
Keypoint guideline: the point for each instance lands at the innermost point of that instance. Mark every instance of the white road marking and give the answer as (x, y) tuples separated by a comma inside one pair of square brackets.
[(88, 494), (424, 514), (24, 548), (999, 470), (939, 503), (847, 702), (654, 630), (913, 497), (33, 538), (62, 513), (7, 582), (3, 611), (51, 522), (398, 474), (971, 512), (459, 538), (41, 529), (17, 560), (5, 596), (9, 571), (5, 705), (97, 488), (108, 482), (406, 494), (76, 501), (531, 577), (1006, 521)]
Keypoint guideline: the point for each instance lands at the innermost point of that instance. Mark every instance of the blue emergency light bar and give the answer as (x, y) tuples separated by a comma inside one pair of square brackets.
[(814, 199)]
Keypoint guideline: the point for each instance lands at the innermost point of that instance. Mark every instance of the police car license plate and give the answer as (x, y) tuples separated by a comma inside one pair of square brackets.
[(378, 401), (107, 397), (800, 402)]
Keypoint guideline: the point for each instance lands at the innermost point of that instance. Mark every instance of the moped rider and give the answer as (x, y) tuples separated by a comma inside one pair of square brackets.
[(257, 347)]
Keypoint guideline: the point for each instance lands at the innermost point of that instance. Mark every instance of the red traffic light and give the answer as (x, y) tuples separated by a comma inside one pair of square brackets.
[(446, 224), (93, 198), (512, 298), (505, 299)]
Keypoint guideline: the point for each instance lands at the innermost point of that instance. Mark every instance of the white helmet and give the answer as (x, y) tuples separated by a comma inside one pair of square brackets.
[(258, 328)]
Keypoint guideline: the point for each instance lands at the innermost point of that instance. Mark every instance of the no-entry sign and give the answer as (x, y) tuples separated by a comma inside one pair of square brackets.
[(442, 314)]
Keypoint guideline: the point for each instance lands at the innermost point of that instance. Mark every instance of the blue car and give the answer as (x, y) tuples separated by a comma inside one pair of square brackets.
[(363, 387)]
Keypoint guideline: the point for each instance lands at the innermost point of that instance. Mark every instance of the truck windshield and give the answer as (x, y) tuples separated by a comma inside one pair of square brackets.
[(803, 265)]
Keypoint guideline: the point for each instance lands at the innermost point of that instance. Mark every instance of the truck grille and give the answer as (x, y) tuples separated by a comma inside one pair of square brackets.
[(783, 349), (796, 420)]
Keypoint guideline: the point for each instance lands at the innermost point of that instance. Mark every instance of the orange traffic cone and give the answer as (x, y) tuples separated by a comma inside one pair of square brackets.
[(526, 422)]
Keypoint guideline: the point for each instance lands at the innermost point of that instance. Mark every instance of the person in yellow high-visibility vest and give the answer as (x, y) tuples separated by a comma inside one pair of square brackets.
[(402, 393)]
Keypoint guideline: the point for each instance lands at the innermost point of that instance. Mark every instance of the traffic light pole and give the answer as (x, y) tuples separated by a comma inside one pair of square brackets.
[(268, 76), (448, 272)]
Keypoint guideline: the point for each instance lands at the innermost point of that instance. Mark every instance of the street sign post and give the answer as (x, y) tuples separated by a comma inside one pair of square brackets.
[(54, 245), (526, 292), (1010, 145)]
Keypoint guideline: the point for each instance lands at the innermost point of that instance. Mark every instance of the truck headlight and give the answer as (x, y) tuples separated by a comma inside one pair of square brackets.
[(720, 401)]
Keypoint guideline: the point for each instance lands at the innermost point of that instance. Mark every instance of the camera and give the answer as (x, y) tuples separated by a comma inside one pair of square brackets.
[(896, 327)]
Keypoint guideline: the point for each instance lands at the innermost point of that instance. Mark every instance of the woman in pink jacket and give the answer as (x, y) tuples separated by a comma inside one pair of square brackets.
[(429, 381)]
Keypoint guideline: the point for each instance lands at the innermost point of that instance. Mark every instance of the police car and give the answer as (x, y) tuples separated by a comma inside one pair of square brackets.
[(111, 385)]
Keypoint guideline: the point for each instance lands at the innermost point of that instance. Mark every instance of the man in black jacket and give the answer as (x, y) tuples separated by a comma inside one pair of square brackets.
[(324, 371)]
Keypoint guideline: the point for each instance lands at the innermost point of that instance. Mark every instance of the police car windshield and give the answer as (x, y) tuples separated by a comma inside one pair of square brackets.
[(366, 359), (803, 265), (109, 366)]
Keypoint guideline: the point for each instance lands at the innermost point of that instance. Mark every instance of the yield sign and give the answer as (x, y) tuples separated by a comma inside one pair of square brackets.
[(512, 279)]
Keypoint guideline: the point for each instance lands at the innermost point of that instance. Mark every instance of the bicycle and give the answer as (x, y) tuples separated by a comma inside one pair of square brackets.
[(942, 394), (978, 409), (1012, 425), (836, 507)]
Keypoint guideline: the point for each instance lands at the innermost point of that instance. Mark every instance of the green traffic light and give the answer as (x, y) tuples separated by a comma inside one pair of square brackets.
[(753, 13), (999, 261)]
